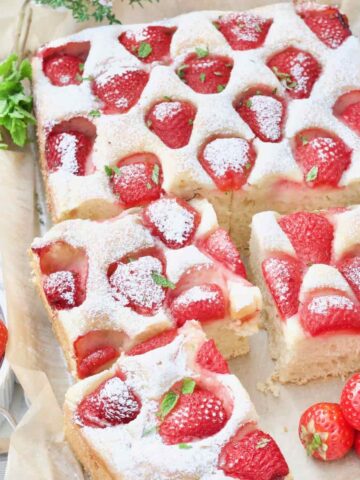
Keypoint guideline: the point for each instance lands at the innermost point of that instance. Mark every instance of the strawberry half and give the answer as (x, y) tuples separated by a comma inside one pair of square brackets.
[(347, 109), (255, 456), (297, 70), (205, 73), (137, 179), (121, 91), (264, 112), (283, 277), (138, 284), (172, 122), (228, 161), (172, 220), (150, 44), (3, 338), (323, 157), (62, 69), (350, 401), (350, 268), (204, 303), (221, 248), (68, 151), (111, 403), (197, 415), (209, 357), (63, 289), (95, 350), (158, 341), (243, 31), (324, 432), (329, 312), (328, 24), (311, 236)]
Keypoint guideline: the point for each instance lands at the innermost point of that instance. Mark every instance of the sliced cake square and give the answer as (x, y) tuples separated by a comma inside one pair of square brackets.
[(112, 284), (308, 268), (169, 411)]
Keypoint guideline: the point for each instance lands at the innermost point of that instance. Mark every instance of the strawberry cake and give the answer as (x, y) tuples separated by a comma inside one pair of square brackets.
[(251, 110), (170, 411), (308, 267), (112, 284)]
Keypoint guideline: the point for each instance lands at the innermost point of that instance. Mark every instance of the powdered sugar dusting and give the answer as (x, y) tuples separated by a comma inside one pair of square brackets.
[(63, 283), (300, 65), (196, 294), (133, 283), (268, 112), (175, 222), (325, 147), (66, 146), (247, 26), (165, 110), (279, 274), (323, 304), (227, 154)]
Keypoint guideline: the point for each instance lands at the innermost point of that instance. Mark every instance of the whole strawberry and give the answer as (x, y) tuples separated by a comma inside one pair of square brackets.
[(350, 401), (357, 443), (325, 433)]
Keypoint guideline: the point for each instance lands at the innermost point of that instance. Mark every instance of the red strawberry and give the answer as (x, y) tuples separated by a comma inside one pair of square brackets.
[(255, 456), (160, 340), (221, 248), (95, 350), (243, 31), (283, 276), (350, 268), (63, 289), (151, 44), (121, 91), (205, 73), (324, 432), (209, 357), (328, 24), (357, 443), (172, 122), (195, 416), (328, 313), (63, 70), (139, 284), (347, 109), (322, 156), (228, 161), (350, 401), (172, 220), (137, 179), (68, 151), (297, 70), (3, 338), (264, 112), (311, 236), (111, 403), (203, 303)]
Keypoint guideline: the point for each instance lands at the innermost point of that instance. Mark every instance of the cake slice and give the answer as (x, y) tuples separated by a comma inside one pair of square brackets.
[(252, 110), (169, 411), (110, 285), (308, 268)]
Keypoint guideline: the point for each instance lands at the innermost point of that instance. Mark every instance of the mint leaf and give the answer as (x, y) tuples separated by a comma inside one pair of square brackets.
[(108, 170), (155, 174), (312, 174), (248, 103), (162, 281), (144, 50), (95, 113), (188, 386), (201, 52), (25, 69), (168, 403), (184, 446), (202, 77), (220, 88), (181, 70)]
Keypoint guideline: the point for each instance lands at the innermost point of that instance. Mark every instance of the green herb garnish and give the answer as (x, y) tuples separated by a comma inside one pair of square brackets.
[(144, 50), (162, 281), (201, 52)]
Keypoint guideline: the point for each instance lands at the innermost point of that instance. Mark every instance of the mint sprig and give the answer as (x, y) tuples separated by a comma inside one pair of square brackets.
[(168, 403), (188, 386), (15, 105), (162, 281)]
